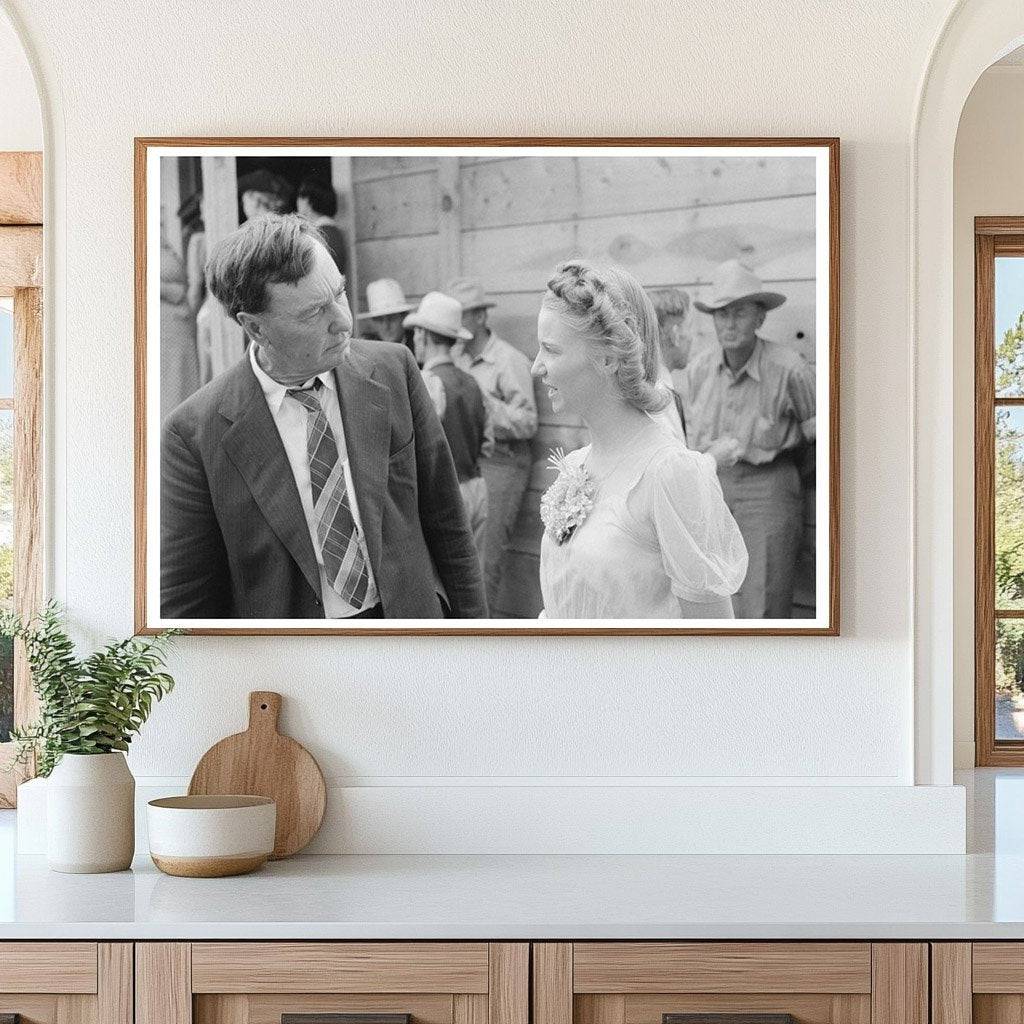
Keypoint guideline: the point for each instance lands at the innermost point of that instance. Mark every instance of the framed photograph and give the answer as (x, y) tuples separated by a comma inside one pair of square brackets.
[(487, 386)]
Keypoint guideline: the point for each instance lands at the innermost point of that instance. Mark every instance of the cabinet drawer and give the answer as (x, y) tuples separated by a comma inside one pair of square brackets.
[(635, 967), (66, 982), (48, 967), (261, 982), (340, 967), (751, 982)]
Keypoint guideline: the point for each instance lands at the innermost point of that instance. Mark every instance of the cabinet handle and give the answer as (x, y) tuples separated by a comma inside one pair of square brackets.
[(338, 1018), (728, 1018)]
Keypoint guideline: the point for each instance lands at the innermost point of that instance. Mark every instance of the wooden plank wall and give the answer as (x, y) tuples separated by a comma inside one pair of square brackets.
[(508, 221)]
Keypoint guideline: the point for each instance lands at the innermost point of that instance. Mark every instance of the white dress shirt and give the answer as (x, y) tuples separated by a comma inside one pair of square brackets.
[(290, 417)]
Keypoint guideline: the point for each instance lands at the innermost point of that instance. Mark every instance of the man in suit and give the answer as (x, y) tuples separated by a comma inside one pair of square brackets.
[(311, 480)]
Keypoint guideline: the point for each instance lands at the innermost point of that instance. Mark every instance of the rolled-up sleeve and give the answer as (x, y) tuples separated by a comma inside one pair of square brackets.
[(513, 408)]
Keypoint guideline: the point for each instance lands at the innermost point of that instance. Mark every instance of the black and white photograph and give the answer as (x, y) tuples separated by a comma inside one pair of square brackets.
[(579, 386)]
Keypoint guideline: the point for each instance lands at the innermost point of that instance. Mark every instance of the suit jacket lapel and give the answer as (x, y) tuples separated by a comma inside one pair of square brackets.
[(364, 415), (254, 445)]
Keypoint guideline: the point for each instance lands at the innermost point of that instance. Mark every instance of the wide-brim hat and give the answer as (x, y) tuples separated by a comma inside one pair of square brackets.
[(469, 294), (441, 314), (734, 282), (385, 298)]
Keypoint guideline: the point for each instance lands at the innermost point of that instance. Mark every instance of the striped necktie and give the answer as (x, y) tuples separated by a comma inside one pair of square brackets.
[(340, 547)]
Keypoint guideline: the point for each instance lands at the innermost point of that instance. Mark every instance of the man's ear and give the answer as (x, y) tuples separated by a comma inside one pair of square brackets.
[(250, 324)]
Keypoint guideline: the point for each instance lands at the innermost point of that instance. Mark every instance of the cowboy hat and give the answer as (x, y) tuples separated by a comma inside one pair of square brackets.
[(384, 297), (468, 294), (734, 282), (441, 314)]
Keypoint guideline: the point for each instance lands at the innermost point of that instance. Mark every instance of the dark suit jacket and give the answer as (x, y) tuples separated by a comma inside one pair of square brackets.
[(233, 538)]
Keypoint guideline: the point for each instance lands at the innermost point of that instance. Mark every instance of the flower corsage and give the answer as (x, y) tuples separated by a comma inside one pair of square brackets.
[(568, 501)]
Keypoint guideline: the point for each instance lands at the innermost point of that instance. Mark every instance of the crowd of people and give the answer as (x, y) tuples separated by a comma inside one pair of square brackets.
[(322, 475)]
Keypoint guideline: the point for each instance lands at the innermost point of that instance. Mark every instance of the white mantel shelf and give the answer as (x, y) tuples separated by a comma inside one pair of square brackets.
[(531, 897)]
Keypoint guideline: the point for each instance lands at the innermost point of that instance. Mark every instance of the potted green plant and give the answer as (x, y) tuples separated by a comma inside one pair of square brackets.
[(89, 709)]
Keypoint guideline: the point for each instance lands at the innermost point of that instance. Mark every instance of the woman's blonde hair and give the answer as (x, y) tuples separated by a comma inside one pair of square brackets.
[(609, 306)]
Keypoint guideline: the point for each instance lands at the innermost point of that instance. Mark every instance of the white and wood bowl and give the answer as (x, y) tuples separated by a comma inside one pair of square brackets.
[(211, 836)]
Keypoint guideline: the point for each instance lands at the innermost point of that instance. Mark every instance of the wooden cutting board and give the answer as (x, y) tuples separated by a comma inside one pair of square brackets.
[(262, 762)]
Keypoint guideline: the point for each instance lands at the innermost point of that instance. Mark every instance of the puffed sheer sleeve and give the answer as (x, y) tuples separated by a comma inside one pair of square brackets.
[(701, 546)]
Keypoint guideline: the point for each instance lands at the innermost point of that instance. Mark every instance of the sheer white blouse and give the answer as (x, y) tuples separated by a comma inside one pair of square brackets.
[(659, 533)]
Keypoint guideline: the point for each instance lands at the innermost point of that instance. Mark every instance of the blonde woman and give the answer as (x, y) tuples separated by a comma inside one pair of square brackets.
[(635, 525)]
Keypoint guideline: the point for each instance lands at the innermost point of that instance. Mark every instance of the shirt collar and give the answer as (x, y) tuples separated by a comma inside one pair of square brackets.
[(752, 367), (437, 361), (274, 391), (485, 355)]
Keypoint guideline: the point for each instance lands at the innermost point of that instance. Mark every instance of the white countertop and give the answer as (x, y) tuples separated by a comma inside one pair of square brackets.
[(532, 897), (977, 896)]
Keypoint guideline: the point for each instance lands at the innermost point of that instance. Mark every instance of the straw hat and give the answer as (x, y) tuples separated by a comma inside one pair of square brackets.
[(734, 282), (384, 297), (469, 294), (441, 314)]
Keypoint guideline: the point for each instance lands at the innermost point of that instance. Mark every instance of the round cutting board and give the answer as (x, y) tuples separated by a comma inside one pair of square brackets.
[(262, 762)]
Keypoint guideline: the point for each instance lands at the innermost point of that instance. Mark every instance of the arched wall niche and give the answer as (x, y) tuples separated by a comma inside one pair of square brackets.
[(975, 35)]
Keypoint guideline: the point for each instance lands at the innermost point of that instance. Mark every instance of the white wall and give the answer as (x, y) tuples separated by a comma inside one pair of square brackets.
[(489, 712), (988, 181), (21, 124)]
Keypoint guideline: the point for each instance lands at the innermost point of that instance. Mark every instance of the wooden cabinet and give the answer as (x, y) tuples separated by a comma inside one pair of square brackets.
[(815, 982), (493, 983), (66, 982), (259, 982), (980, 982)]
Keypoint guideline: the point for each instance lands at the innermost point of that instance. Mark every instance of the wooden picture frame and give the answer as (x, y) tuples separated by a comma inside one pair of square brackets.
[(766, 238)]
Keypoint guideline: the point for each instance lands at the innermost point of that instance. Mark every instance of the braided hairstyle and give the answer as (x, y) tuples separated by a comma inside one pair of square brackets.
[(610, 307)]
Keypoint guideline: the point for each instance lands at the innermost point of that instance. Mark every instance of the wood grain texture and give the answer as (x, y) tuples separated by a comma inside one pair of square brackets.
[(262, 762), (951, 983), (163, 983), (21, 258), (31, 1009), (806, 1008), (28, 487), (984, 503), (21, 188), (115, 995), (997, 967), (76, 1009), (756, 967), (340, 967), (899, 988), (48, 967), (599, 1009), (997, 1009), (850, 1009), (468, 1009), (226, 1009), (509, 983), (262, 1008), (552, 983)]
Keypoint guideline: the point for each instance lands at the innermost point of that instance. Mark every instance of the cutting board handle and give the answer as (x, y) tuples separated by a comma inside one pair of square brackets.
[(264, 709)]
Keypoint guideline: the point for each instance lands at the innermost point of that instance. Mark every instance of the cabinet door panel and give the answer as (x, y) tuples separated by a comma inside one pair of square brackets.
[(268, 1009), (635, 967), (48, 967), (339, 967)]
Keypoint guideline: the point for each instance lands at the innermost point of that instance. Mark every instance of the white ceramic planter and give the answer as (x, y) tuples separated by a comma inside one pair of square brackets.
[(90, 814)]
